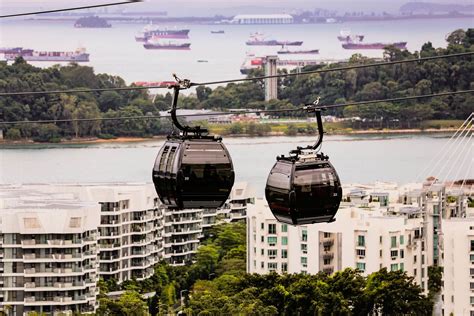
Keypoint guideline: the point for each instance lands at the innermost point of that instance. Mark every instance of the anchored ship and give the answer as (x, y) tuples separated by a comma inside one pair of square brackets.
[(257, 39), (351, 45), (346, 36), (150, 31), (218, 32), (286, 51), (79, 55), (253, 62), (168, 46)]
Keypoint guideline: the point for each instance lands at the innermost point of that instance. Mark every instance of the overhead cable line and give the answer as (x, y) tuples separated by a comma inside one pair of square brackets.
[(69, 9), (322, 107), (8, 94), (189, 84)]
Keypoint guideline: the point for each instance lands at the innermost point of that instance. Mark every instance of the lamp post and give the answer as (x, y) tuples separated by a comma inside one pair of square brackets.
[(181, 298)]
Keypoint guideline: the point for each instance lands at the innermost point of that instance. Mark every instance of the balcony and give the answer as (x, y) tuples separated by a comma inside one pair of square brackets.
[(328, 243)]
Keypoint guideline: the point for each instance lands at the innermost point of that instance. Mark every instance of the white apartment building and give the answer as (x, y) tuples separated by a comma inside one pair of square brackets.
[(235, 209), (48, 252), (457, 260), (382, 226), (130, 230)]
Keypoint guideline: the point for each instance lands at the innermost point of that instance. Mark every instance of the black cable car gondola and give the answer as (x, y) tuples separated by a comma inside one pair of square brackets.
[(192, 169), (304, 188)]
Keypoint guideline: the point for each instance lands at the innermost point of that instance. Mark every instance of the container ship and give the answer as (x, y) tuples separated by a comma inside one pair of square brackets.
[(352, 45), (167, 46), (253, 62), (79, 55), (150, 31), (297, 52), (257, 39)]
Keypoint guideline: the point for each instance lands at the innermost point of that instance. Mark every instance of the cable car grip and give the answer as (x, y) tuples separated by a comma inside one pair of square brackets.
[(197, 131)]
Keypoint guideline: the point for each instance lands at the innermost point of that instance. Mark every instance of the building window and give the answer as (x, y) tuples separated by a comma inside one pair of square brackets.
[(254, 237), (380, 239), (255, 263), (360, 252), (284, 228), (472, 286), (414, 272), (284, 253), (402, 239), (414, 259), (304, 235), (262, 252), (284, 267), (360, 266), (402, 266), (393, 241), (472, 245), (422, 259), (327, 261), (472, 300), (402, 254), (361, 241), (272, 241), (272, 266), (422, 272), (272, 228), (394, 254), (304, 248), (262, 265), (327, 235), (394, 267), (255, 250), (472, 272), (284, 240), (304, 261), (262, 226), (262, 239), (272, 253)]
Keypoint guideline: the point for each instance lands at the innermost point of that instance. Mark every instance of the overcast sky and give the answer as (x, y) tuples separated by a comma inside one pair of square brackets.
[(210, 7)]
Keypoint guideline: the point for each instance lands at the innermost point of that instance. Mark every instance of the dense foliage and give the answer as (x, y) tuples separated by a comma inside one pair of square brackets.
[(216, 284), (373, 83)]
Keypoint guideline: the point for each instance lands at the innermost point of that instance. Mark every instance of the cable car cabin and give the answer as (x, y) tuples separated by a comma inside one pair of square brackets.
[(303, 190), (193, 173)]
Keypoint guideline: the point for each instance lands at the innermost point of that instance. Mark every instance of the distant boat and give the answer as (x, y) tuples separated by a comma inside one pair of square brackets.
[(79, 55), (202, 61), (349, 45), (167, 46), (257, 39), (218, 32), (286, 51), (346, 36), (150, 31), (92, 22)]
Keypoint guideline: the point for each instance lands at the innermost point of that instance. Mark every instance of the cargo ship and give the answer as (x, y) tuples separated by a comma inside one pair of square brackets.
[(346, 36), (167, 46), (352, 45), (92, 22), (297, 52), (218, 32), (253, 62), (150, 31), (257, 39), (79, 55)]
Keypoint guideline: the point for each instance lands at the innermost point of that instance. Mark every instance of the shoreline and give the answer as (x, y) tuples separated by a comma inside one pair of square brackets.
[(93, 140)]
